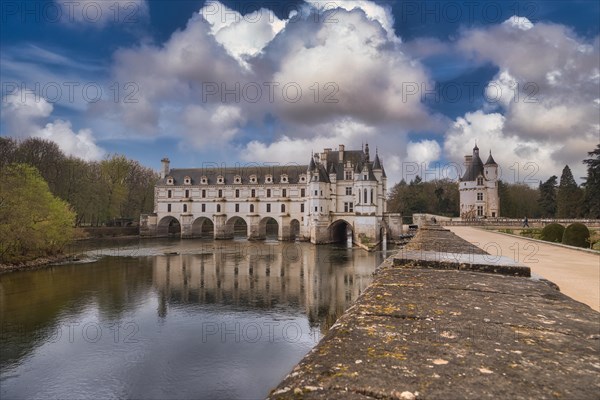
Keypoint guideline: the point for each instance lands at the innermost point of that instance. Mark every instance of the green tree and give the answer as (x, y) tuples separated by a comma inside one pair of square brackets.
[(518, 200), (33, 222), (547, 200), (591, 200), (435, 197), (569, 196), (8, 150)]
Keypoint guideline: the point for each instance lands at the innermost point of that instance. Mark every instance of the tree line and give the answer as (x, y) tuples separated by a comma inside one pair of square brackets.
[(566, 199), (553, 198), (97, 192)]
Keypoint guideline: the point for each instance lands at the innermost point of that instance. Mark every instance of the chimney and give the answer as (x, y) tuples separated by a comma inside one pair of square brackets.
[(468, 162), (341, 153), (165, 168)]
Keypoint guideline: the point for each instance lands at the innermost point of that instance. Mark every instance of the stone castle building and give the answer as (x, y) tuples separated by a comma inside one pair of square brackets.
[(340, 195), (478, 188)]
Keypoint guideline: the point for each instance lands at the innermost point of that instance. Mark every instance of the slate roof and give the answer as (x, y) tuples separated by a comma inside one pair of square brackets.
[(490, 160), (196, 174), (377, 162), (357, 158), (475, 168)]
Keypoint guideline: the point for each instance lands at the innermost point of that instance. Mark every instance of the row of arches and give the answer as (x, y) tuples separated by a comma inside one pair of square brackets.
[(340, 231)]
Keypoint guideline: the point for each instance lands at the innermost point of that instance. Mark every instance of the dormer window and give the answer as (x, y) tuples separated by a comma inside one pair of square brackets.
[(269, 179), (315, 177), (187, 180), (220, 180), (303, 178), (284, 178), (204, 180), (169, 180), (480, 181), (253, 179), (237, 179)]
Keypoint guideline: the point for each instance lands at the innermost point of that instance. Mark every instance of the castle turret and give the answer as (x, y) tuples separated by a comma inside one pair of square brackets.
[(491, 168)]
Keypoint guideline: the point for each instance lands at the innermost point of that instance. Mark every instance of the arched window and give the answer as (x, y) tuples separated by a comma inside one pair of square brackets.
[(251, 208), (372, 197), (365, 196), (283, 208), (218, 208), (185, 208)]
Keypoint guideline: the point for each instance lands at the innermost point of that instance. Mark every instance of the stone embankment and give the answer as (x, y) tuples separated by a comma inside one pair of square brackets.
[(443, 319)]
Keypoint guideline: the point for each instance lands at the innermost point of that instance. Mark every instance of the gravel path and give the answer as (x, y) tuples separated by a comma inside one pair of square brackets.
[(575, 272)]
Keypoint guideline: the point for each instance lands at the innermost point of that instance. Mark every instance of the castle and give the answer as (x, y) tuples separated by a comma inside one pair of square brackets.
[(339, 196), (478, 188)]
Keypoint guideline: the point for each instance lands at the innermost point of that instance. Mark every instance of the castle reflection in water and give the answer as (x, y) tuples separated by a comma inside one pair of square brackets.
[(322, 280)]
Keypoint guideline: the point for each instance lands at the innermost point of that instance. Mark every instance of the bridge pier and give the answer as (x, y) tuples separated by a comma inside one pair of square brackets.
[(222, 231)]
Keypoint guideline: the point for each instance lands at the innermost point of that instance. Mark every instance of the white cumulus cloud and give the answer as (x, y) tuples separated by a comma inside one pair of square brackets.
[(23, 111)]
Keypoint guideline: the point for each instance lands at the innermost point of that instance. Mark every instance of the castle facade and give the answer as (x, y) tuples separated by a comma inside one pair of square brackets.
[(339, 196)]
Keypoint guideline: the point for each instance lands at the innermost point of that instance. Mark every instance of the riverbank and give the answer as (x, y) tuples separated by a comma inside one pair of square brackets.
[(81, 235), (37, 263), (422, 330)]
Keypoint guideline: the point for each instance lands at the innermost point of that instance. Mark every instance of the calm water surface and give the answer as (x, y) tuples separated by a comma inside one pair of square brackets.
[(164, 319)]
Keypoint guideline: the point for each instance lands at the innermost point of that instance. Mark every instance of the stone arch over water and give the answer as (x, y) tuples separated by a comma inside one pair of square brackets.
[(341, 231), (203, 227), (168, 226)]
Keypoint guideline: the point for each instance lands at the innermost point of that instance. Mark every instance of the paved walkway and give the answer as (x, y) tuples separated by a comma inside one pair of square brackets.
[(576, 273)]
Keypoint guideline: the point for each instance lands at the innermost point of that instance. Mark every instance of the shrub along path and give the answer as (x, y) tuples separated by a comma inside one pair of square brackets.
[(576, 273)]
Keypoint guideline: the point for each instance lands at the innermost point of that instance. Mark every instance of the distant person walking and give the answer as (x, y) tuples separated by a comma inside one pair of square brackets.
[(525, 223)]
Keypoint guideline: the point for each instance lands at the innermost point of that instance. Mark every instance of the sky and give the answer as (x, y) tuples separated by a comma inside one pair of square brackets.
[(238, 82)]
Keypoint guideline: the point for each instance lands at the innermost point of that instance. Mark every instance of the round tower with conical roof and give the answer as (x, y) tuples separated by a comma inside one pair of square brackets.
[(478, 188)]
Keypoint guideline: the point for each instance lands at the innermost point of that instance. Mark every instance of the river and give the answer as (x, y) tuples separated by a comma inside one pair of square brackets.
[(166, 319)]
